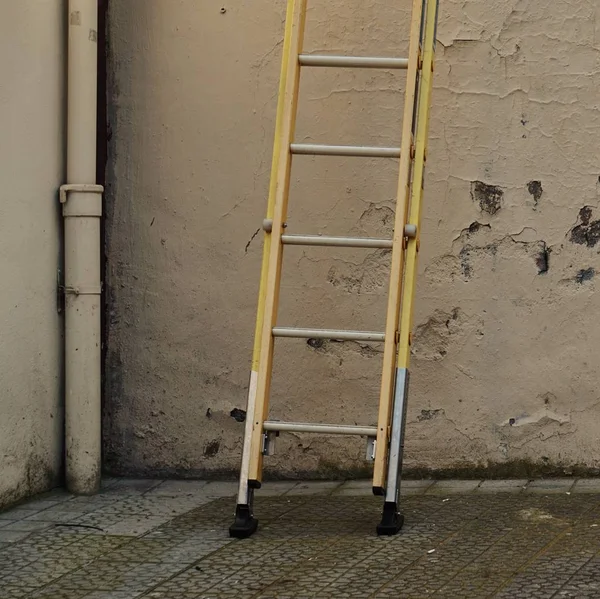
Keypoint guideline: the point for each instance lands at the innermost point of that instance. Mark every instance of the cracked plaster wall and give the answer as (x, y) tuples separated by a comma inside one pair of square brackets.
[(504, 374), (32, 103)]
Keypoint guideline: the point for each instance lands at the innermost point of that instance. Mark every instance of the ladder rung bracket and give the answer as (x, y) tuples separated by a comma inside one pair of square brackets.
[(349, 242), (340, 335), (358, 62), (358, 151), (324, 429)]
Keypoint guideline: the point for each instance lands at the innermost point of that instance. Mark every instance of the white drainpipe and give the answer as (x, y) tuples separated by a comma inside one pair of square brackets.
[(82, 208)]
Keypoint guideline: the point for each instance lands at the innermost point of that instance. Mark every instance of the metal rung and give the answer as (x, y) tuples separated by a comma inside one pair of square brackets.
[(325, 429), (364, 151), (349, 242), (328, 334), (360, 62)]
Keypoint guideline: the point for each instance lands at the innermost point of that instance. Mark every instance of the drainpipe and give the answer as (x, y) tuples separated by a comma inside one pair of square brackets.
[(81, 202)]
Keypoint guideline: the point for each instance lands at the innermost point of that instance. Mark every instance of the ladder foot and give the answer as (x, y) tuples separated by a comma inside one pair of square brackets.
[(245, 524), (391, 520)]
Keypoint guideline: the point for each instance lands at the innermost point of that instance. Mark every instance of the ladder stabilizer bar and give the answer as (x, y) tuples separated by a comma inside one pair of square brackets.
[(341, 335), (359, 62), (325, 429)]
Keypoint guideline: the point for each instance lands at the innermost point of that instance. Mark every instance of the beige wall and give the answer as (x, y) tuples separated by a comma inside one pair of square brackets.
[(504, 374), (31, 165)]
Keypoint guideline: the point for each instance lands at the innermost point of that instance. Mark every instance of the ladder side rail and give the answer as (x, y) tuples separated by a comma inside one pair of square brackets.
[(397, 263), (298, 20), (243, 490), (392, 520)]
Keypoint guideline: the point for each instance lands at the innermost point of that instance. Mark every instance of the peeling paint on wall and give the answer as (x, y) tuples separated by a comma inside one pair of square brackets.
[(509, 244)]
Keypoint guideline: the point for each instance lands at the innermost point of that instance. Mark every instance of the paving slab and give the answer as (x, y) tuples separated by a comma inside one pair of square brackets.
[(11, 536), (275, 488), (17, 513), (176, 488), (481, 540), (220, 489), (415, 487), (514, 485), (355, 488), (444, 487), (130, 486), (314, 488), (587, 485), (551, 485)]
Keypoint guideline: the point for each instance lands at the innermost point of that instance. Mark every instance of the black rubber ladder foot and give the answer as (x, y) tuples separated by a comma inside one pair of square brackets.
[(391, 520), (245, 524)]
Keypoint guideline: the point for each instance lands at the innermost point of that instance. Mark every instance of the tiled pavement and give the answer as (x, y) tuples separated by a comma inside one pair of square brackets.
[(168, 540)]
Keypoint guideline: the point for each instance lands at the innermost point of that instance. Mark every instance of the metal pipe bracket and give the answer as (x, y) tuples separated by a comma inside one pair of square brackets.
[(89, 204)]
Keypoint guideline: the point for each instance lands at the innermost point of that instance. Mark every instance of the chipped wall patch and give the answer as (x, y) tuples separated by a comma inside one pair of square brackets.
[(542, 260), (585, 274), (238, 415), (535, 189), (489, 197), (588, 231), (211, 449), (541, 417)]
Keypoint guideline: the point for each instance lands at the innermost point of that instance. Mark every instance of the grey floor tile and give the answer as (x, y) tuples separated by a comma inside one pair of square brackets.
[(54, 515), (355, 488), (12, 536), (275, 488), (132, 486), (415, 487), (177, 488), (587, 485), (458, 543), (27, 526), (442, 487), (39, 504), (221, 489), (550, 485), (314, 488), (14, 514), (503, 486)]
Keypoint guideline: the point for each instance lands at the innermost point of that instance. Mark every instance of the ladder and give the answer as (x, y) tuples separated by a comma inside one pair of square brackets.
[(385, 442)]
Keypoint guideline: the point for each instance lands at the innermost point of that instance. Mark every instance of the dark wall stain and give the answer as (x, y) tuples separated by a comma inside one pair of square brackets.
[(586, 274), (588, 231), (238, 415), (489, 197), (468, 251), (535, 189), (211, 449), (542, 260), (316, 343)]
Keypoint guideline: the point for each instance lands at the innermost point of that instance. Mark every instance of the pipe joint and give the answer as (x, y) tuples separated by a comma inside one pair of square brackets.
[(86, 201)]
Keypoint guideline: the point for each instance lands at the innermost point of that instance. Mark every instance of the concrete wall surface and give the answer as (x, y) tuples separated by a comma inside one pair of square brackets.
[(32, 53), (504, 376)]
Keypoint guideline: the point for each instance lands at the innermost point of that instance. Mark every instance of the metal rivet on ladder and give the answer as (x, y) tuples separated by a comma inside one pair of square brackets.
[(410, 231), (268, 225)]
